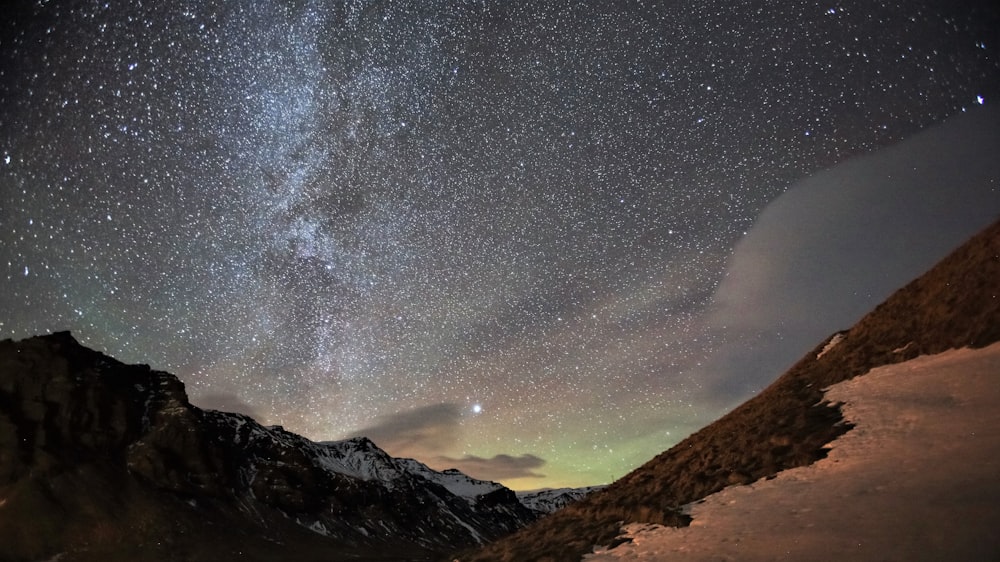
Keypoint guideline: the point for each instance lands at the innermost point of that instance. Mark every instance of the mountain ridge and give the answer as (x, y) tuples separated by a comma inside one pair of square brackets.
[(105, 456)]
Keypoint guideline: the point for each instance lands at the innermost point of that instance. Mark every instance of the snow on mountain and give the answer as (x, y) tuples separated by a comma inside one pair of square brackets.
[(837, 338), (360, 458), (546, 501), (451, 479)]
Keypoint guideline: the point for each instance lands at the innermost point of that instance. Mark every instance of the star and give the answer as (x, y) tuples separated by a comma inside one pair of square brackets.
[(332, 216)]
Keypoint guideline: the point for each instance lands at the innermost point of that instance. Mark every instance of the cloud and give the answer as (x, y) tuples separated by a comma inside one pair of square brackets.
[(429, 432), (838, 243), (419, 433), (228, 402), (498, 467)]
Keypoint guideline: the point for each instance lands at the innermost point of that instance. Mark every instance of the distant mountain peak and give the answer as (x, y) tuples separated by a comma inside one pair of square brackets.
[(550, 500)]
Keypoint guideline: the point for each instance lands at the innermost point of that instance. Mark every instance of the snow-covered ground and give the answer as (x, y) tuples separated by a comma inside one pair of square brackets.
[(918, 478)]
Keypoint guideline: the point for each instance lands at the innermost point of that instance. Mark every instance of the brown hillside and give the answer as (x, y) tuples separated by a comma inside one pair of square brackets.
[(956, 304)]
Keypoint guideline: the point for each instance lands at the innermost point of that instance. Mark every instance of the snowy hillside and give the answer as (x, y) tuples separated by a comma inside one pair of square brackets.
[(359, 457), (916, 479), (453, 480)]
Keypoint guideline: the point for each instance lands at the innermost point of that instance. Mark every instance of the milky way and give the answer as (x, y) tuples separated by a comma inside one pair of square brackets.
[(482, 232)]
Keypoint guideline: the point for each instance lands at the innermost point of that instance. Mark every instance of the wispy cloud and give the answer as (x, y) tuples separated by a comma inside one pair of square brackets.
[(422, 432), (430, 432), (498, 467), (836, 244)]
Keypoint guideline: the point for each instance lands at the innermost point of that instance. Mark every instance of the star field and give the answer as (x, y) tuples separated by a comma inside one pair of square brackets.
[(499, 221)]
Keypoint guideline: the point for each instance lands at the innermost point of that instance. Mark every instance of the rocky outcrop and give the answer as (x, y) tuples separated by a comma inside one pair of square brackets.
[(72, 415)]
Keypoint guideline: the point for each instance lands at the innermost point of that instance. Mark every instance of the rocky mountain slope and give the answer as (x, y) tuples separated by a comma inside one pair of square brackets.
[(101, 461), (956, 304)]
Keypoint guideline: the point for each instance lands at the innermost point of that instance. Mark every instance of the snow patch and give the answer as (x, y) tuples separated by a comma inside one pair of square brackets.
[(318, 527), (475, 534), (837, 338), (915, 479)]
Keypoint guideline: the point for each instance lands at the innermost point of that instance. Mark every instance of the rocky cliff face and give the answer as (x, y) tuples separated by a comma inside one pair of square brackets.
[(100, 457)]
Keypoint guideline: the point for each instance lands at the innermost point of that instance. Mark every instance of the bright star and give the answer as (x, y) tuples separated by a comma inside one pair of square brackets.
[(477, 408)]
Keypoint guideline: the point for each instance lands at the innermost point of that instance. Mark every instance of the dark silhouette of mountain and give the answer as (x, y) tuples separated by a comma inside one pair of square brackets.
[(105, 461), (955, 304)]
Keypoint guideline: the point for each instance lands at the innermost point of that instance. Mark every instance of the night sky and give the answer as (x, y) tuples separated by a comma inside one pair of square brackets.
[(485, 234)]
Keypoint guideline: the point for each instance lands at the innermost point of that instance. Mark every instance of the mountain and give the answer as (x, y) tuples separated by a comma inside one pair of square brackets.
[(544, 502), (789, 424), (105, 461)]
